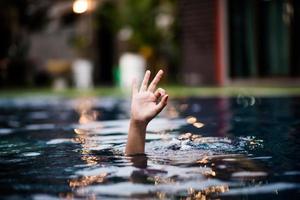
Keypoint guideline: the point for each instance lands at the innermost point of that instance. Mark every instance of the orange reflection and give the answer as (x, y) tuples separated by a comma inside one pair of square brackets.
[(191, 120), (189, 136), (66, 196), (87, 180), (171, 111), (198, 194), (204, 160), (198, 124), (205, 194), (85, 110)]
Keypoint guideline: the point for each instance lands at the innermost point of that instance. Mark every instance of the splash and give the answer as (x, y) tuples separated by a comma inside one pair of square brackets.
[(190, 147), (245, 100)]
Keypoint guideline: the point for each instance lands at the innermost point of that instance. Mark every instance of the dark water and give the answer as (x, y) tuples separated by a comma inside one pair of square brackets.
[(199, 148)]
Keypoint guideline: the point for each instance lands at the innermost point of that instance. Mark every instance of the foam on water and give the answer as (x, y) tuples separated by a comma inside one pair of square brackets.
[(194, 147)]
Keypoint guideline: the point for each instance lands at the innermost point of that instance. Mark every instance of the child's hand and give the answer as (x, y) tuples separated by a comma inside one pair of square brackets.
[(147, 102)]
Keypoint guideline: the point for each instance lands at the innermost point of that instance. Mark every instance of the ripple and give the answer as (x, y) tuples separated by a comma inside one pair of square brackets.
[(29, 154), (33, 127), (190, 148), (59, 141), (261, 189), (248, 174), (45, 197), (129, 189), (5, 131)]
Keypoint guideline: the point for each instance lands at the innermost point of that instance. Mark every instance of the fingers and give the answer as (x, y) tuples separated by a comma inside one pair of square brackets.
[(145, 81), (159, 92), (163, 102), (134, 88), (155, 81)]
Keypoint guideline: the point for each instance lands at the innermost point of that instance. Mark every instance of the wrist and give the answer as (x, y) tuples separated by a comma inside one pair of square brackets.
[(141, 124)]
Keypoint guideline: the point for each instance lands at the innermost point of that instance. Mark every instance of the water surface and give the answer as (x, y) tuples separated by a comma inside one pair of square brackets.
[(214, 148)]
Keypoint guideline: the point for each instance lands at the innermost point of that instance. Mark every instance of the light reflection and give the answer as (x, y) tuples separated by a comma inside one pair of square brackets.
[(206, 193), (204, 160), (209, 172), (245, 100), (189, 136), (183, 107), (198, 124), (162, 180), (87, 180), (85, 110), (90, 160), (171, 111), (185, 136), (87, 115), (161, 195), (191, 190), (191, 120)]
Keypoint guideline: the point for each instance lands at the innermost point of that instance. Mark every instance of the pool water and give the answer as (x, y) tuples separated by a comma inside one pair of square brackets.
[(199, 148)]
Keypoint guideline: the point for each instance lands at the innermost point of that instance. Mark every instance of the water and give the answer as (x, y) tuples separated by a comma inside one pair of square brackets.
[(199, 148)]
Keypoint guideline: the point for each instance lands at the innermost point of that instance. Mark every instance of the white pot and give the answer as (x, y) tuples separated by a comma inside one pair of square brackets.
[(131, 66), (82, 74)]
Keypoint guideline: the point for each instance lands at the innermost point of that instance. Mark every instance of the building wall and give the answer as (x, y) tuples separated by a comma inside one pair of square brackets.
[(259, 40), (198, 41)]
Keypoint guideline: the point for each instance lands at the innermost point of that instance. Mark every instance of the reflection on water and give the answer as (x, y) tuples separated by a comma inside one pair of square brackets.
[(209, 148)]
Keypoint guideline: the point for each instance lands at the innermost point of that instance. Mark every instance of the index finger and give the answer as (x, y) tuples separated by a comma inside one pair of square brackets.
[(155, 81), (145, 81)]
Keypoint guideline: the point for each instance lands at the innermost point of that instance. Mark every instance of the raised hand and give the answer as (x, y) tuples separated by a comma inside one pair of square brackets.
[(147, 102)]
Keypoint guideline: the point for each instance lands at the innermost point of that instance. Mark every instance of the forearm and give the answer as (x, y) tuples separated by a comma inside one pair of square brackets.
[(136, 138)]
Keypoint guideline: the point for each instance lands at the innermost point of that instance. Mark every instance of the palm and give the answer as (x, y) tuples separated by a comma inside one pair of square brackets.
[(144, 105), (146, 102)]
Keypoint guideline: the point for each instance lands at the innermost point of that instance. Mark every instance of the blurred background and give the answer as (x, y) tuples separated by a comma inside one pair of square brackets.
[(91, 43)]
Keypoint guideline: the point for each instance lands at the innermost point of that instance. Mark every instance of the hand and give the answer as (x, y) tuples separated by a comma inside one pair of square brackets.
[(147, 102)]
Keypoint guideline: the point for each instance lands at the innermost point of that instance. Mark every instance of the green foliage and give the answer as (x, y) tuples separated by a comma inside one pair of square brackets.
[(140, 17)]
